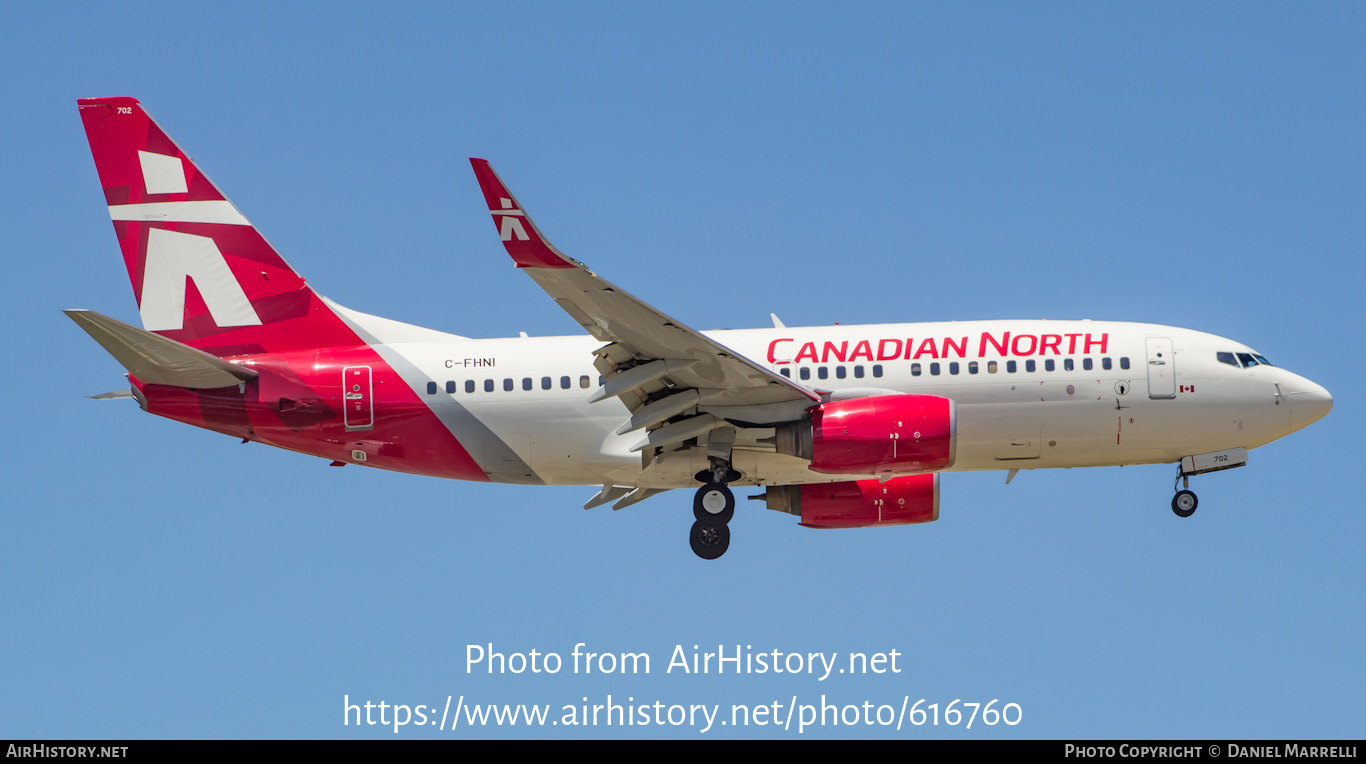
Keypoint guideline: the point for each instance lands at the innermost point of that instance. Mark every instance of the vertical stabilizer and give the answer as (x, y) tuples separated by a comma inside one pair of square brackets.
[(200, 271)]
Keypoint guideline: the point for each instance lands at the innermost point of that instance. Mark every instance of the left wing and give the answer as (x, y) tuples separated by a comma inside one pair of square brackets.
[(659, 367)]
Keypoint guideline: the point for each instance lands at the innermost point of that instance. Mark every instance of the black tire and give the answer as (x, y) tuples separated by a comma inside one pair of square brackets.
[(1184, 503), (712, 494), (709, 541)]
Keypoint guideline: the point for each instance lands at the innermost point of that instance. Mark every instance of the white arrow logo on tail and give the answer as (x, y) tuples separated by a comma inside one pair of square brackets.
[(173, 257)]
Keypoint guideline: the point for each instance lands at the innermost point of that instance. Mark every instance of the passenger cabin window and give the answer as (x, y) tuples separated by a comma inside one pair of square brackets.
[(1124, 362), (450, 387), (1030, 365), (431, 388), (1012, 367), (786, 372), (972, 367), (858, 372), (953, 367), (991, 367), (934, 369), (584, 382), (488, 385), (546, 383), (840, 372), (564, 383), (1049, 365), (1106, 364), (877, 370), (1067, 364), (804, 373), (1087, 363), (915, 370), (507, 384), (469, 385), (823, 373)]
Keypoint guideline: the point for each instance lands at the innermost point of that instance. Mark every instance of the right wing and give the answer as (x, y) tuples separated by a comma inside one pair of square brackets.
[(659, 367)]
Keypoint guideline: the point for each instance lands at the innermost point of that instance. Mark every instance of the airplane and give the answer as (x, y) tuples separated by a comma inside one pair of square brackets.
[(842, 426)]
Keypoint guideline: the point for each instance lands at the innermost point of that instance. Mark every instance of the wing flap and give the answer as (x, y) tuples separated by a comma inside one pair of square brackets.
[(156, 359)]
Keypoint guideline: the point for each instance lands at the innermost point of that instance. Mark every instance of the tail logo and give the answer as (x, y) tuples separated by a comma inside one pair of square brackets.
[(510, 227), (174, 257), (162, 174)]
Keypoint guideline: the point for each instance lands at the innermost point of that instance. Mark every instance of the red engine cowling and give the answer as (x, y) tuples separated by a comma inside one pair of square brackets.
[(884, 433), (860, 503)]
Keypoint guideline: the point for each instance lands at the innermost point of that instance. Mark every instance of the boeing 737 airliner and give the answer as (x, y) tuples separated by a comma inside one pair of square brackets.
[(843, 426)]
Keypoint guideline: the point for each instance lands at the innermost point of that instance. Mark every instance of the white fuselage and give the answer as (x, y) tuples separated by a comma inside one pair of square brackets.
[(1029, 394)]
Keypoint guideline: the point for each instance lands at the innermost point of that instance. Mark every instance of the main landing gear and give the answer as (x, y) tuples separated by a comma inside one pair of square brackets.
[(712, 509), (1184, 502)]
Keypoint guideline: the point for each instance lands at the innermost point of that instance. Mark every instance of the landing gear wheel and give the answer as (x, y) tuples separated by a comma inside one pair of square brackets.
[(1184, 503), (714, 504), (709, 541)]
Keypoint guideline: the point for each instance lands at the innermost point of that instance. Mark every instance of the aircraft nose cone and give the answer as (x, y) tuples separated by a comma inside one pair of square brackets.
[(1308, 404)]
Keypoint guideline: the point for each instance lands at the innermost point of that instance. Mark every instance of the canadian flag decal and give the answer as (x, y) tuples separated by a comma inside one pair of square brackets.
[(1188, 388)]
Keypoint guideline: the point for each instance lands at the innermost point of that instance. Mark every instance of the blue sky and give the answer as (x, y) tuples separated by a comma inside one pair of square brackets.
[(1199, 166)]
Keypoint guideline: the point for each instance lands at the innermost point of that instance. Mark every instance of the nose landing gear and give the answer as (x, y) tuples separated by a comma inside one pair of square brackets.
[(1184, 502)]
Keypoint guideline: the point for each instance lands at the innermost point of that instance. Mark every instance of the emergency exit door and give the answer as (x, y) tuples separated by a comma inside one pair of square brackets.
[(358, 398)]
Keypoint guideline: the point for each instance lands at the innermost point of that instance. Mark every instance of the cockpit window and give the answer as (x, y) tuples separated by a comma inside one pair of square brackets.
[(1245, 360)]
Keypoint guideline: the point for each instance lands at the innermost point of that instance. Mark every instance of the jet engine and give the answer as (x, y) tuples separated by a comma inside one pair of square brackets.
[(859, 503), (878, 434)]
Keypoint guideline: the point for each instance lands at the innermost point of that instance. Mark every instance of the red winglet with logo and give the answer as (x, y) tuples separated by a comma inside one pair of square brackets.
[(614, 315), (523, 240)]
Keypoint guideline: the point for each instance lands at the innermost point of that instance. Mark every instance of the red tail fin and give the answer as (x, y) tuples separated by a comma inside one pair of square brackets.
[(201, 273)]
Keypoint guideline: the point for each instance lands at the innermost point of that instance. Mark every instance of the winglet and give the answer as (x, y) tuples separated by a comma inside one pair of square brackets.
[(523, 240)]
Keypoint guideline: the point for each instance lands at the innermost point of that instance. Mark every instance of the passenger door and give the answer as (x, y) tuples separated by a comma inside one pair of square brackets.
[(1161, 368)]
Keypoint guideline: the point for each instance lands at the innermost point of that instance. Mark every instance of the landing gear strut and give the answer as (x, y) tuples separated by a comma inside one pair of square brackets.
[(713, 507), (1184, 502)]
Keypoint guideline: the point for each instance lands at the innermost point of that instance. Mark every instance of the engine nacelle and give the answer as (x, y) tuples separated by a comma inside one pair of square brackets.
[(879, 434), (860, 503)]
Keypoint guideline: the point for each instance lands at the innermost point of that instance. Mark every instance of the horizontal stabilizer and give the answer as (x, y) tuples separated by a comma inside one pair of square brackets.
[(113, 395), (158, 360)]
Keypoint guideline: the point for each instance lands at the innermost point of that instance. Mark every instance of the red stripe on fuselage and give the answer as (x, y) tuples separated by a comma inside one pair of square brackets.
[(297, 403)]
